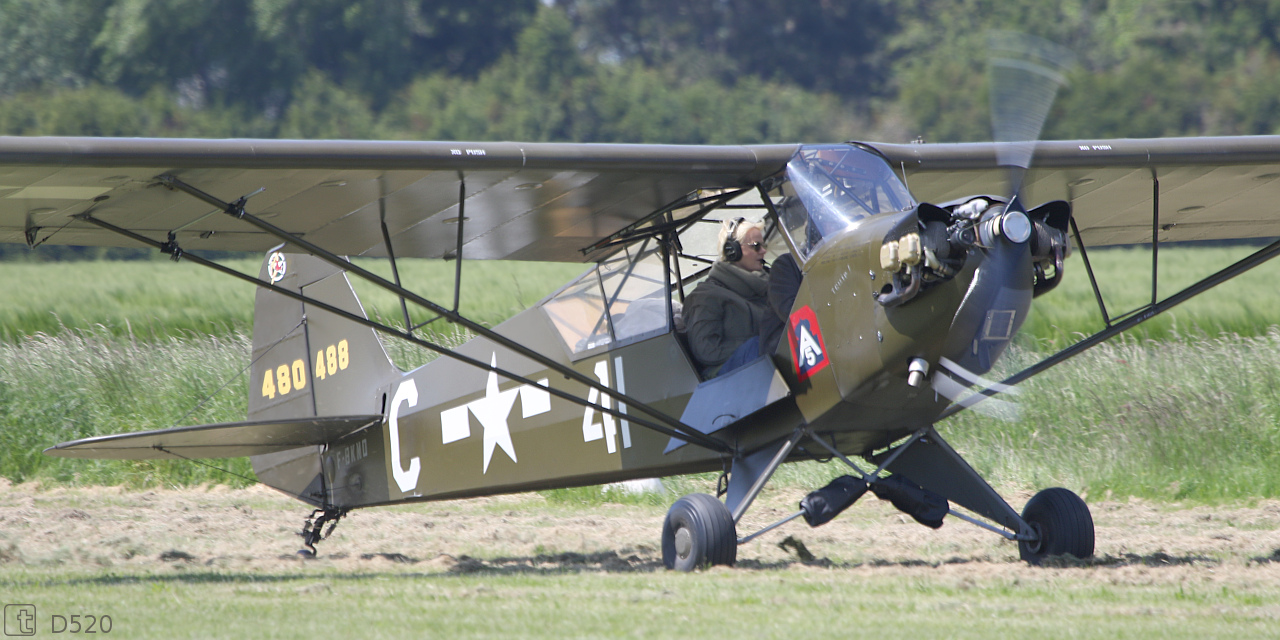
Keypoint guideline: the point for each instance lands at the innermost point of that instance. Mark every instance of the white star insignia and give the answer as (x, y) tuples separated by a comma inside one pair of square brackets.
[(493, 411)]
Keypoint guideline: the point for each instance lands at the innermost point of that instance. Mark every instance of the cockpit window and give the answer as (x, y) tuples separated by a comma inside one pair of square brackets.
[(623, 300), (835, 186)]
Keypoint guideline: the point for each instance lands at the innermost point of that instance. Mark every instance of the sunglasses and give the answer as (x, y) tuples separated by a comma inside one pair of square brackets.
[(758, 246)]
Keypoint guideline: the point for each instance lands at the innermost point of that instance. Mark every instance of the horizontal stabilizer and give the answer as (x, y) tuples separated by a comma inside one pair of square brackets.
[(226, 440)]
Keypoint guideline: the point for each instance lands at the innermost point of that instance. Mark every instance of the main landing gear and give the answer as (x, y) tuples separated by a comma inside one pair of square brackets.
[(698, 532), (1061, 523), (701, 531)]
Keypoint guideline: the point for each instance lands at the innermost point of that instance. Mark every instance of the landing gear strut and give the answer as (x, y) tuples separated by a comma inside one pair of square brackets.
[(311, 530)]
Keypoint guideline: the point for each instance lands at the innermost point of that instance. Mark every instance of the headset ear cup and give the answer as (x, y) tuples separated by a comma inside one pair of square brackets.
[(732, 249)]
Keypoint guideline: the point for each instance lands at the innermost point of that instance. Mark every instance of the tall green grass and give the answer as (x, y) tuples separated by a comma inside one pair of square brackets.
[(78, 384), (155, 300), (1185, 409), (1247, 305), (1195, 418)]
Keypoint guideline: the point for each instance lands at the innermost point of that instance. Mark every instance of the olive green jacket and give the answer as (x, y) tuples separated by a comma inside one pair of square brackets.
[(724, 311)]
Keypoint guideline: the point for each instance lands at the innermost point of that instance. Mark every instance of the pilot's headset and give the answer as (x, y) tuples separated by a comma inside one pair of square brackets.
[(732, 249)]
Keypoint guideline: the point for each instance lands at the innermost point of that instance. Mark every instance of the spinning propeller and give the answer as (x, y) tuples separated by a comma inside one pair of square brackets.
[(1024, 73)]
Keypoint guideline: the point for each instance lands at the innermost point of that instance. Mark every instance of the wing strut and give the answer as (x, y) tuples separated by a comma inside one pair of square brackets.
[(671, 427), (1142, 315), (391, 254), (462, 220), (1088, 268)]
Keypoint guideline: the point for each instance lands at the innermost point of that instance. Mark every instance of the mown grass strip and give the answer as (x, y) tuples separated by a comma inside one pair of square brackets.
[(920, 603)]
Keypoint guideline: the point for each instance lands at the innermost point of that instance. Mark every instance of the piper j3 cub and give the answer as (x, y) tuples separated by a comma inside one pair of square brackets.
[(900, 310)]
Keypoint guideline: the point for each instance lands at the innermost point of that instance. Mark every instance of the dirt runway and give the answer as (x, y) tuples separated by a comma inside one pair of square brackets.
[(253, 529)]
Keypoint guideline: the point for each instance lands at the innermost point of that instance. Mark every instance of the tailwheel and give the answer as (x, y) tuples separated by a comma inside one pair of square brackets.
[(698, 532), (313, 531), (1062, 522)]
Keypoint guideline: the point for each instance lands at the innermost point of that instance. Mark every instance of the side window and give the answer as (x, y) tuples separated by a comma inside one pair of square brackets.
[(623, 300)]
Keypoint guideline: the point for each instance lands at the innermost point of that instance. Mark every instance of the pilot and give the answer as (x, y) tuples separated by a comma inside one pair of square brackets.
[(728, 312)]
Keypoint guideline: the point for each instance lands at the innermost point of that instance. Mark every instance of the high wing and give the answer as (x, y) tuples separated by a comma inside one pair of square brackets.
[(551, 201), (1205, 188), (522, 201)]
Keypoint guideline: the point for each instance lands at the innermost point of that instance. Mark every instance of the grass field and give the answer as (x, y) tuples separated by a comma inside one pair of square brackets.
[(154, 300), (1173, 443), (150, 301)]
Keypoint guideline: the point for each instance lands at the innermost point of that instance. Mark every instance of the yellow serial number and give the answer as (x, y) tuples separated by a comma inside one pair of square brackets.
[(288, 378)]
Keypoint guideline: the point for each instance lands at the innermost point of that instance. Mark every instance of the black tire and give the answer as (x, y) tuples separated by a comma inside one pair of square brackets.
[(1063, 522), (698, 532)]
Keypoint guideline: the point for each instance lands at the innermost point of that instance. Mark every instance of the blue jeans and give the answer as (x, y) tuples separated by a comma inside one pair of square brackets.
[(745, 353)]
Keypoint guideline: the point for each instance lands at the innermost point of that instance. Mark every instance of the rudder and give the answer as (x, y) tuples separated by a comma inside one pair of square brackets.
[(310, 362)]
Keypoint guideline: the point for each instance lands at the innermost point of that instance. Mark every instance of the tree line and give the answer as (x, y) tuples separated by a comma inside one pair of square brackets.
[(680, 71)]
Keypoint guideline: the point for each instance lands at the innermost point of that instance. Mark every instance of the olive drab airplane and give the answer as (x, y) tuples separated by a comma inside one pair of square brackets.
[(901, 310)]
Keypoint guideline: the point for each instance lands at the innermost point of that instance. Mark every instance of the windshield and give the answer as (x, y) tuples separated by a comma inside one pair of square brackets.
[(835, 186)]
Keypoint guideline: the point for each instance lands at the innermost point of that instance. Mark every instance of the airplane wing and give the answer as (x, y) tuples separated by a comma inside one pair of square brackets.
[(549, 201), (227, 440), (1205, 188), (542, 202)]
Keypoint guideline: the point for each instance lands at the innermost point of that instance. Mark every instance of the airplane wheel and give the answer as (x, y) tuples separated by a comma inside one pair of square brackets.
[(1062, 519), (698, 532)]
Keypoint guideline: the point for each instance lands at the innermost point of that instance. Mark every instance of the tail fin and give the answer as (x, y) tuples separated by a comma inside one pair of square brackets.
[(310, 362)]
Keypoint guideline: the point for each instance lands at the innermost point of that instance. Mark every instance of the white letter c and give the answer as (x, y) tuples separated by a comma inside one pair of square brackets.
[(406, 478)]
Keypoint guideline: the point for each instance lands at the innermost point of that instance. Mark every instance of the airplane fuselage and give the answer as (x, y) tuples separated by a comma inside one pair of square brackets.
[(453, 430)]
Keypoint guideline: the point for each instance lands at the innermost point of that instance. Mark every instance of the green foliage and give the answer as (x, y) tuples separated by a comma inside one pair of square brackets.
[(42, 43), (818, 46), (375, 48), (1146, 96), (92, 111), (321, 109), (516, 100), (196, 47), (613, 71)]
